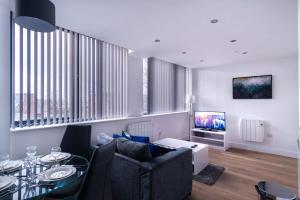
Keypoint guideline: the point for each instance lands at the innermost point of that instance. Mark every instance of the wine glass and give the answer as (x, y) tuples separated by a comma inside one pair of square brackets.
[(31, 151), (4, 159), (29, 163), (55, 152), (29, 192)]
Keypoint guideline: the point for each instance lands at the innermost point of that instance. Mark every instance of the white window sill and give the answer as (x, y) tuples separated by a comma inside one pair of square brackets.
[(16, 130)]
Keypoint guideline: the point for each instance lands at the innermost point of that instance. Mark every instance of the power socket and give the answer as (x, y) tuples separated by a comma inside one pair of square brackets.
[(269, 135)]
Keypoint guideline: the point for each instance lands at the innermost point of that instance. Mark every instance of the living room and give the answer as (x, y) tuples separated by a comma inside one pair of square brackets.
[(149, 69)]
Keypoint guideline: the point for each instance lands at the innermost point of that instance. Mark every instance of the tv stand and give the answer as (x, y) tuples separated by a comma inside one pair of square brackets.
[(209, 129), (215, 139)]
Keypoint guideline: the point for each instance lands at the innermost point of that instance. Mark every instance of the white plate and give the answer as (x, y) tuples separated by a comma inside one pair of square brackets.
[(13, 165), (50, 159), (6, 182), (57, 173)]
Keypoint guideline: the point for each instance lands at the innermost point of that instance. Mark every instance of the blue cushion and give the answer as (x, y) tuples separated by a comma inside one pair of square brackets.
[(125, 135), (159, 150), (142, 139), (117, 135), (121, 135)]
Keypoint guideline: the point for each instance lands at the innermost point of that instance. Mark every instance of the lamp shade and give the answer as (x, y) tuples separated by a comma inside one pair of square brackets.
[(36, 15)]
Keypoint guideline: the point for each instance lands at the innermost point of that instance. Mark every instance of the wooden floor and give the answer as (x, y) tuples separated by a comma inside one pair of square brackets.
[(243, 170)]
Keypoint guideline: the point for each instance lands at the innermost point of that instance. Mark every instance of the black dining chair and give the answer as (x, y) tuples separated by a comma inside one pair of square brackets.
[(77, 140), (97, 182), (261, 194), (275, 191)]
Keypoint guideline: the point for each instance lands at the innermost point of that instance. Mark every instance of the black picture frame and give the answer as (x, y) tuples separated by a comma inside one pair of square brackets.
[(252, 87)]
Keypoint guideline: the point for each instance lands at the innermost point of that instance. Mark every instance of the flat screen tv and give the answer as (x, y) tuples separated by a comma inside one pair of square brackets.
[(252, 87), (214, 121)]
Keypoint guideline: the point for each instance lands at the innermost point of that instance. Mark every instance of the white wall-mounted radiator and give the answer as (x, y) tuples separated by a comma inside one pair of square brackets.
[(141, 128), (252, 130)]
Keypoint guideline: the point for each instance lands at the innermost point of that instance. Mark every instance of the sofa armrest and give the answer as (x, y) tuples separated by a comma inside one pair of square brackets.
[(127, 159), (165, 177), (126, 178), (92, 150), (170, 175)]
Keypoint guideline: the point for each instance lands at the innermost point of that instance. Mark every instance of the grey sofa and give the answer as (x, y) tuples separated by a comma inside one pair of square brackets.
[(167, 177)]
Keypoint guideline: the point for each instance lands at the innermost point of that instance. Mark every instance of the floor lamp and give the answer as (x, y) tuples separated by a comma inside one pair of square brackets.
[(190, 100)]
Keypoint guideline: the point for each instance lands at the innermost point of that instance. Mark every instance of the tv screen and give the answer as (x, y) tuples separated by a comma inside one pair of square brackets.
[(210, 120)]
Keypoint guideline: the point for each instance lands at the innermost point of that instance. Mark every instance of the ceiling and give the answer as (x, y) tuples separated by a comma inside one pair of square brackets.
[(264, 29)]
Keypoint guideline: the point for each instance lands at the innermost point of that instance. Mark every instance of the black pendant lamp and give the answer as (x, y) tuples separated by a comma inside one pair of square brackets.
[(36, 15)]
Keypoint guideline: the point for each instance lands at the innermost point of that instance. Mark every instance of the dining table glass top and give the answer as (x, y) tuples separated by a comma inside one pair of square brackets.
[(24, 188)]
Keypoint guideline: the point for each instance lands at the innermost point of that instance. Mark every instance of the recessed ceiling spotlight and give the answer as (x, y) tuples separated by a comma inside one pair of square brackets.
[(232, 41), (245, 52), (201, 60), (130, 51), (184, 52), (213, 21), (157, 40)]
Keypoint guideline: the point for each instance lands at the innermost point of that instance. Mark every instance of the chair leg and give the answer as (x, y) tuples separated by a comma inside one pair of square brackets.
[(188, 196), (261, 194)]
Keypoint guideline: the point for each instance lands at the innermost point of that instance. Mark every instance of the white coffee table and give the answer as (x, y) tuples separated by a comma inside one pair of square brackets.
[(200, 152)]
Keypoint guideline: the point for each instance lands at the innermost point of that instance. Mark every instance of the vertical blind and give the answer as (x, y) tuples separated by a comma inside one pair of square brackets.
[(188, 86), (166, 86), (180, 87), (64, 77), (89, 78), (114, 81)]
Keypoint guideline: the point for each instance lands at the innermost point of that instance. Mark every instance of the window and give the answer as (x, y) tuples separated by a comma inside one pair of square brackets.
[(166, 86), (43, 76), (89, 75), (63, 77), (145, 86), (114, 81)]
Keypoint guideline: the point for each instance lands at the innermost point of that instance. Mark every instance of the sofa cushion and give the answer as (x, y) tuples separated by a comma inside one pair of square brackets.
[(136, 150), (157, 150), (135, 138), (117, 135), (126, 135), (121, 135)]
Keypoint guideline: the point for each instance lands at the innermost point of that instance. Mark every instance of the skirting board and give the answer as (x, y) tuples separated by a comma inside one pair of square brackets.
[(185, 138), (251, 147)]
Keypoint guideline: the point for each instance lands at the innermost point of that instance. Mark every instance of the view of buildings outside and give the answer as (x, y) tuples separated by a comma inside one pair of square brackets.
[(29, 76), (39, 108)]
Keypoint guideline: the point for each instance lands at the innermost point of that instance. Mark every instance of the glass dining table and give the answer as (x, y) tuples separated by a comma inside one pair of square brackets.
[(29, 190)]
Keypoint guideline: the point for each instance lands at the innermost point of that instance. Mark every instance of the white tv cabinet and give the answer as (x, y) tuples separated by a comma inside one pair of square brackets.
[(214, 139)]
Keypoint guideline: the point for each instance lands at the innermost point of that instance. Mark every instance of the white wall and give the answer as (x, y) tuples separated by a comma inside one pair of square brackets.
[(4, 77), (169, 125), (213, 90)]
